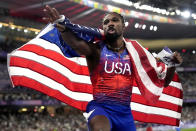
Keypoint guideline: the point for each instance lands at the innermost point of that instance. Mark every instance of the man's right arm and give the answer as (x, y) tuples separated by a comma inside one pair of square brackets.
[(79, 45)]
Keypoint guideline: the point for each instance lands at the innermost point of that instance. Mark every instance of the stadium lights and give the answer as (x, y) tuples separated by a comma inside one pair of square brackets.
[(42, 107), (158, 10), (25, 30), (24, 109), (143, 27), (151, 27), (178, 12), (155, 28), (138, 5), (146, 7), (136, 25), (193, 15), (125, 2), (163, 12), (19, 28), (126, 24), (172, 13), (186, 14), (12, 27), (110, 7), (167, 13)]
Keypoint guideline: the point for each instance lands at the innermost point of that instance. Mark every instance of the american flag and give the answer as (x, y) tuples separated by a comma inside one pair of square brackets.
[(49, 65)]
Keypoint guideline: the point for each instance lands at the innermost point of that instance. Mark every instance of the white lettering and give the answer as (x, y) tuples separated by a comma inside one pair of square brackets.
[(105, 68), (127, 68), (118, 68)]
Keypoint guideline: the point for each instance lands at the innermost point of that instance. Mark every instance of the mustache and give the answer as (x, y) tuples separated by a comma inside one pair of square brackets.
[(111, 28)]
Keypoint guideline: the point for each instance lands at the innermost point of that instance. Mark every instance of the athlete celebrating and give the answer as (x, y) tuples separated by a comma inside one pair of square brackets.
[(110, 70)]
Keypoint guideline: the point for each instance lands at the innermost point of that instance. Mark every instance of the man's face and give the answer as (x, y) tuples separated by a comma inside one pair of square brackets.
[(113, 26)]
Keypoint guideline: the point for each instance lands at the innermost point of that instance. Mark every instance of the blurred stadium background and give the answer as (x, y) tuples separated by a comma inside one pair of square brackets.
[(154, 23)]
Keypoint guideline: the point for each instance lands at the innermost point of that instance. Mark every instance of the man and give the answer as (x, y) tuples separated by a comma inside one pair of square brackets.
[(111, 73)]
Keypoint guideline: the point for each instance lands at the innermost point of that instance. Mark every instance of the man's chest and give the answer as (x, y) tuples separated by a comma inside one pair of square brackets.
[(114, 63)]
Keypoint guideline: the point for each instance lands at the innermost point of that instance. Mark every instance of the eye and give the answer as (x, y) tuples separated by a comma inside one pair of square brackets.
[(115, 19), (105, 22)]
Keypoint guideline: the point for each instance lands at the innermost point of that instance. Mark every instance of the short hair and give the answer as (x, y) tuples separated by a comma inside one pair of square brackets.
[(121, 16)]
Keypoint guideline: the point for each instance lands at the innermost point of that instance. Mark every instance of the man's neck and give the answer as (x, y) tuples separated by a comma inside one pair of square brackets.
[(116, 45)]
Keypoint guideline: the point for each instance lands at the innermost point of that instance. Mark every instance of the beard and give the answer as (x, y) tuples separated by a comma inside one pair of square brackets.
[(110, 37)]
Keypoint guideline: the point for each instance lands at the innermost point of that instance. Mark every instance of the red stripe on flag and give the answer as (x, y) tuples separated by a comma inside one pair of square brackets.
[(30, 83), (176, 77), (152, 98), (55, 56), (50, 73), (173, 91), (147, 66), (160, 104), (151, 118), (161, 64)]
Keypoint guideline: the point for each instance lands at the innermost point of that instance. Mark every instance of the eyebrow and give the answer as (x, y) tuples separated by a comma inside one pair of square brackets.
[(111, 19)]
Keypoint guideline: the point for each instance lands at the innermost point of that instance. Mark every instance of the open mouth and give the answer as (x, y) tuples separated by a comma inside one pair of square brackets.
[(111, 30)]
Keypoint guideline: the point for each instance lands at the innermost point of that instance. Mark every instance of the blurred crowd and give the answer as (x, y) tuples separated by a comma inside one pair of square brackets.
[(189, 114), (188, 80), (21, 93), (189, 58), (42, 122)]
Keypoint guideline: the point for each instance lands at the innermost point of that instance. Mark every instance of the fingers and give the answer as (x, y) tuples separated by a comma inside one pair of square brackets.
[(60, 27), (46, 19), (56, 12), (177, 58), (51, 14)]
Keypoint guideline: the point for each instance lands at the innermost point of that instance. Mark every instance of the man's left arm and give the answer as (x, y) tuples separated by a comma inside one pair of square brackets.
[(171, 70)]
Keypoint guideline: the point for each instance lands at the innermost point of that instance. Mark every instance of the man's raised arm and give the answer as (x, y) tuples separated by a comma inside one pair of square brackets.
[(171, 70), (79, 45)]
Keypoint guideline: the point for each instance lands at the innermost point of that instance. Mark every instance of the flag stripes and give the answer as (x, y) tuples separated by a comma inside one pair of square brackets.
[(164, 101), (152, 118), (41, 65), (154, 110), (147, 63), (53, 47), (51, 64), (169, 105), (18, 71), (72, 85), (148, 89), (36, 85)]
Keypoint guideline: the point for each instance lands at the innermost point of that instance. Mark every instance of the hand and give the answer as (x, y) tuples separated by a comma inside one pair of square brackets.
[(177, 58), (51, 14)]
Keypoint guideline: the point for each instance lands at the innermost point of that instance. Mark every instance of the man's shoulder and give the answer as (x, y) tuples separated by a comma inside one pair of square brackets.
[(98, 44), (130, 41)]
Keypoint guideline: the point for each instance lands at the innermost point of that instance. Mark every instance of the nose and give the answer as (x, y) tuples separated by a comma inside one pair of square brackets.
[(111, 23)]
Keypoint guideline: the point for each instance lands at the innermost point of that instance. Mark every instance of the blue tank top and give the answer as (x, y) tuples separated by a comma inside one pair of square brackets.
[(111, 79)]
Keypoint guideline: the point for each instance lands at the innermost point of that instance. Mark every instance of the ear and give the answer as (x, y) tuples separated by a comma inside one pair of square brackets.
[(123, 26)]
